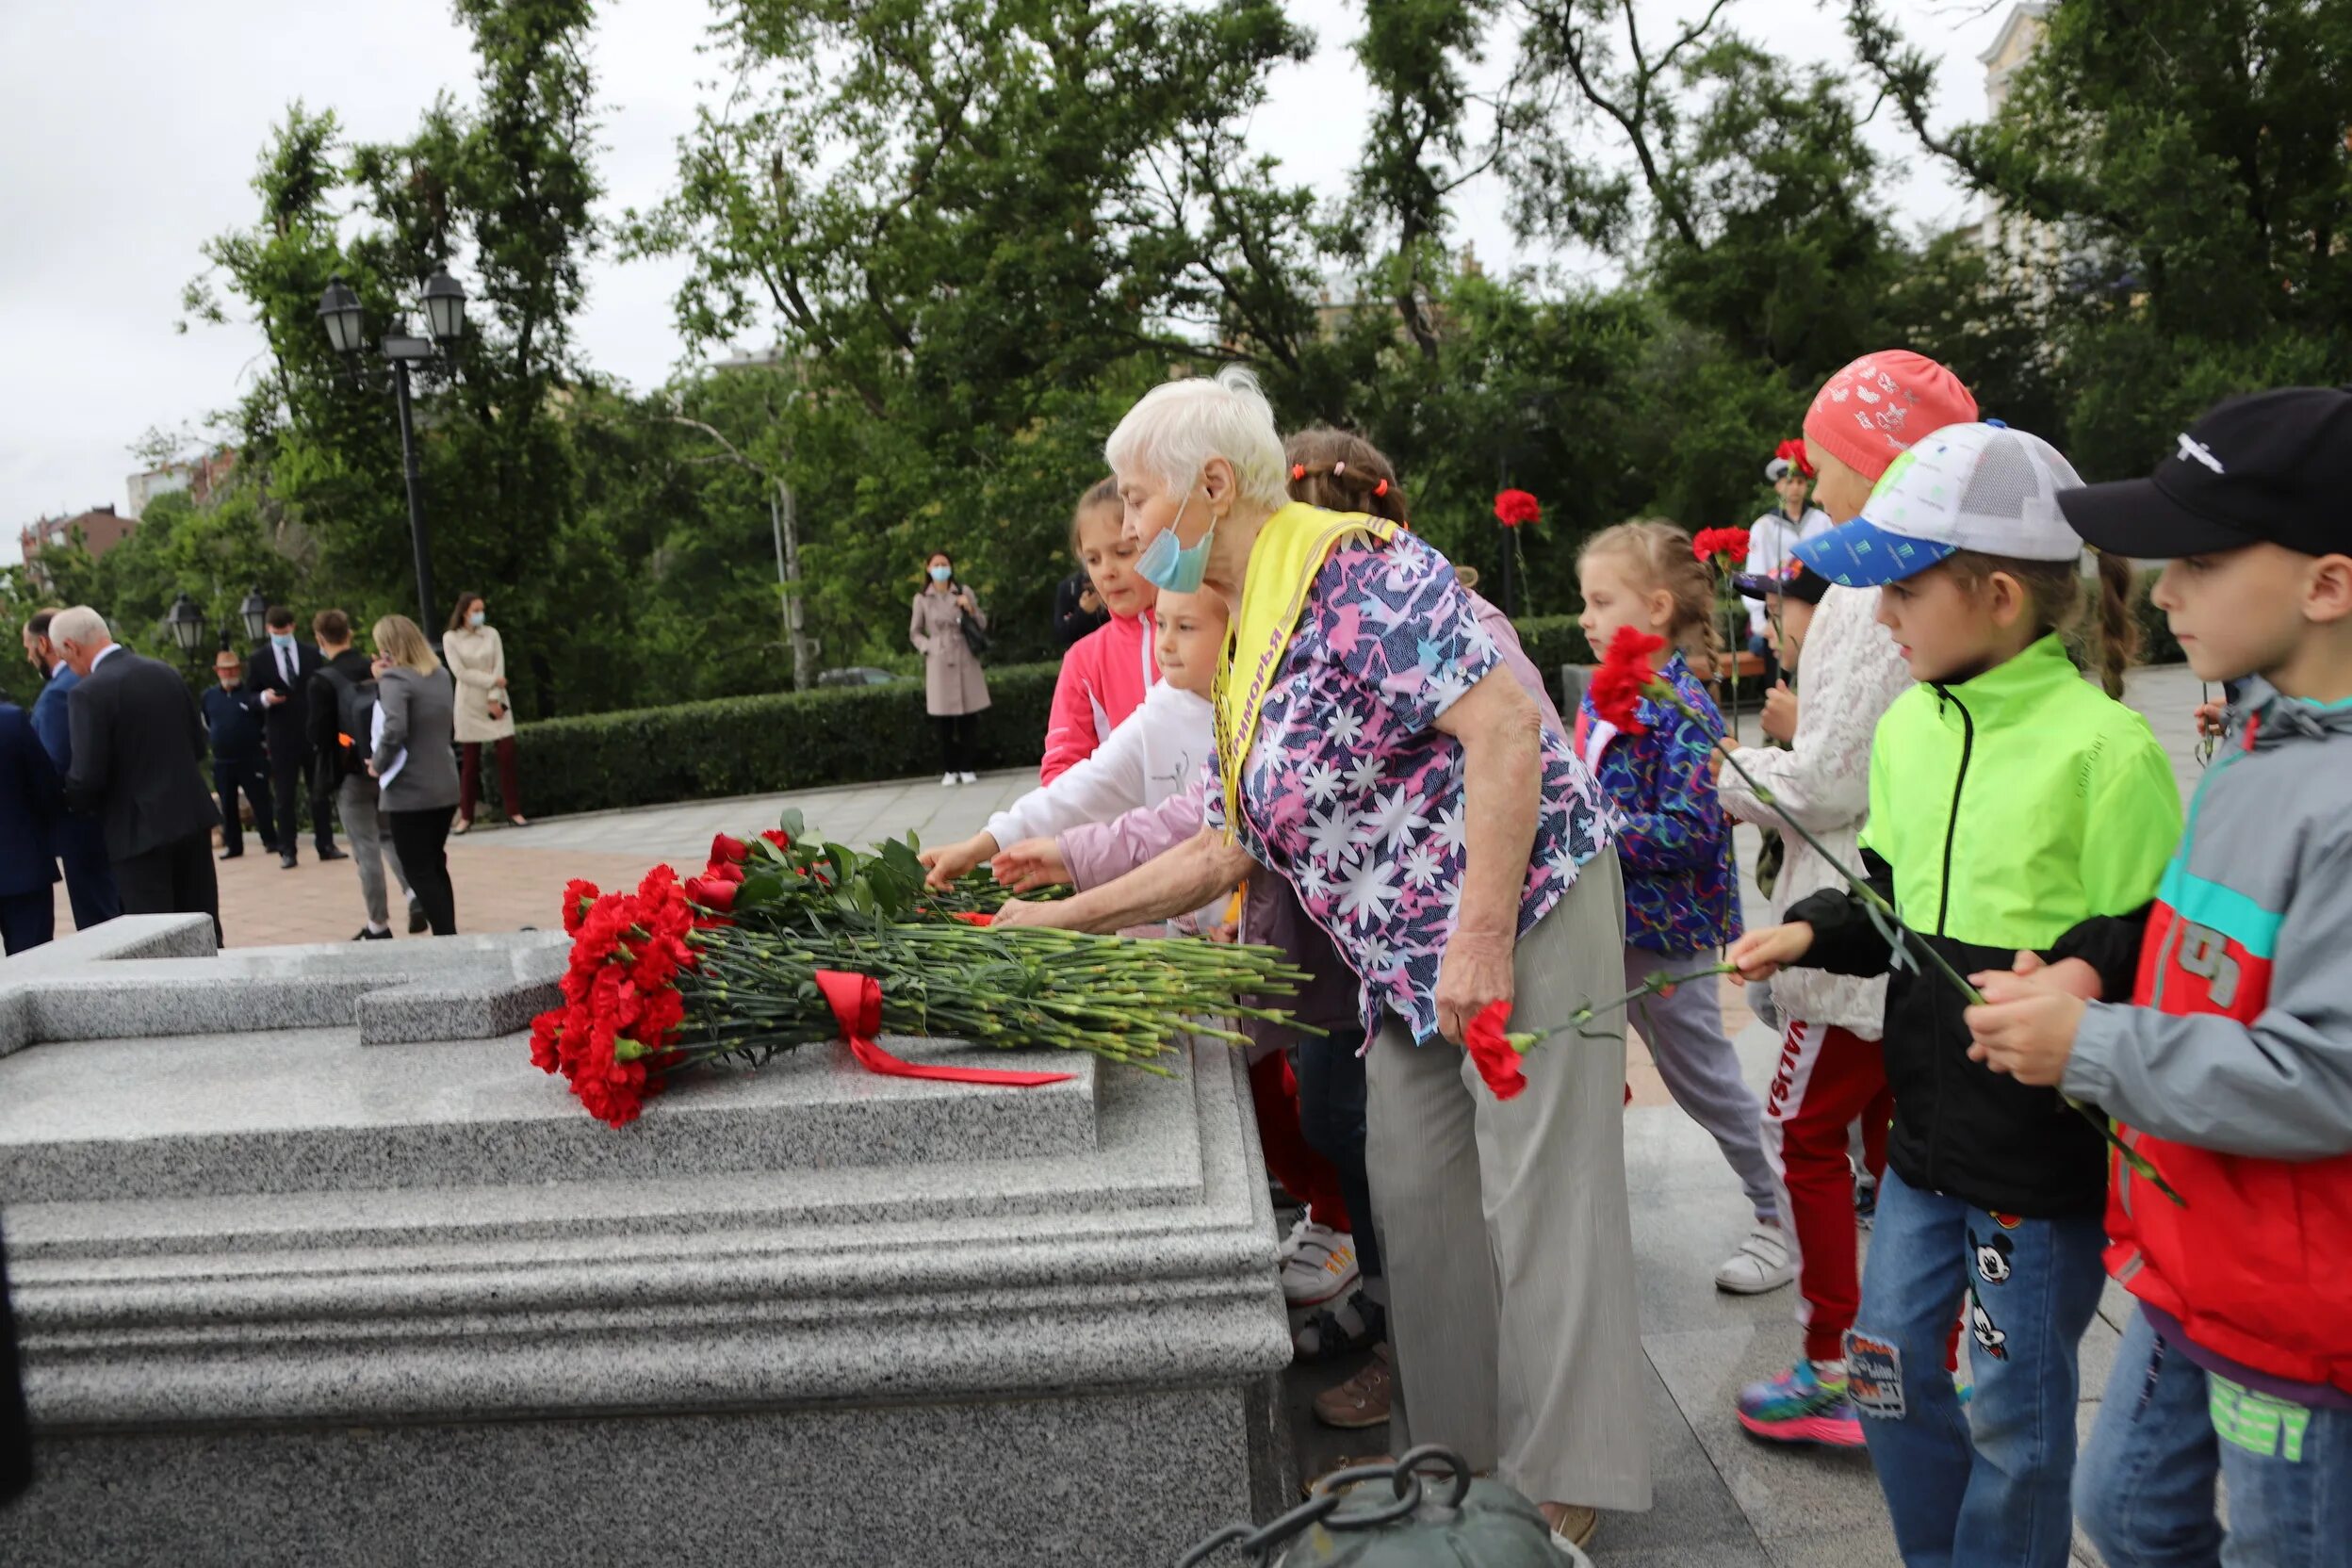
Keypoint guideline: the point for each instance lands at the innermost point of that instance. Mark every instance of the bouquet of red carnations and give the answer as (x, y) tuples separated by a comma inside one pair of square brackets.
[(780, 944)]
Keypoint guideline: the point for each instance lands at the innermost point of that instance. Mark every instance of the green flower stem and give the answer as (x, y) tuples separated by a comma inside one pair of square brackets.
[(1656, 985)]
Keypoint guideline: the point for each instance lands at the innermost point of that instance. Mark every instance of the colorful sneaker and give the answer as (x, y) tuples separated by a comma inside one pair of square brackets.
[(1864, 1199), (1798, 1407), (1321, 1266)]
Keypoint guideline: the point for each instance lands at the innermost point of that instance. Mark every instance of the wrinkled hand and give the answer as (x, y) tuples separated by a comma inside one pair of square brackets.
[(947, 863), (1018, 911), (1030, 864), (1474, 975), (1780, 714), (1761, 955)]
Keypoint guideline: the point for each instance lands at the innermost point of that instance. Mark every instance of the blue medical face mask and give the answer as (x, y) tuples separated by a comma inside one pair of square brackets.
[(475, 618), (940, 574), (1168, 567), (282, 639)]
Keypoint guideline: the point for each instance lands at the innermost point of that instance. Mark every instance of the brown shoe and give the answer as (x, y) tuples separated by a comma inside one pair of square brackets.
[(1363, 1400), (1572, 1523)]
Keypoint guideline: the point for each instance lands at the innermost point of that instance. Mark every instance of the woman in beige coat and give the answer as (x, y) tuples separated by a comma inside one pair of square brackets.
[(485, 715), (954, 687)]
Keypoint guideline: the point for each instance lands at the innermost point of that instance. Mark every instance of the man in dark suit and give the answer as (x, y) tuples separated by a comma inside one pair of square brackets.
[(280, 671), (232, 717), (81, 842), (30, 804), (138, 749)]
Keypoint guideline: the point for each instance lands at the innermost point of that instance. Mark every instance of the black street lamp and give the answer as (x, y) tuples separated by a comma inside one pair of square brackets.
[(445, 316), (187, 624), (254, 612)]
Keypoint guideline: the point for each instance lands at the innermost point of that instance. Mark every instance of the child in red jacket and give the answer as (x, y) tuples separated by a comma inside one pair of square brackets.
[(2230, 1072), (1106, 673)]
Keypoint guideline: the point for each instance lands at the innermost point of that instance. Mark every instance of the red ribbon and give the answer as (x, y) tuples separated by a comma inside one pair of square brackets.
[(856, 1003)]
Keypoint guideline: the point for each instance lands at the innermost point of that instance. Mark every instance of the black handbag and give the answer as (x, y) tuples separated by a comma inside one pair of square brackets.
[(974, 637)]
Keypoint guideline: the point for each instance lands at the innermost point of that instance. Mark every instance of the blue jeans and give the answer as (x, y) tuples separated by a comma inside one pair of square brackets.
[(2146, 1489), (1331, 1118), (2000, 1494)]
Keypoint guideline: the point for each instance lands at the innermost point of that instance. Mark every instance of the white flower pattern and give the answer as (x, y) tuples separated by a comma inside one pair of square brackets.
[(1387, 641)]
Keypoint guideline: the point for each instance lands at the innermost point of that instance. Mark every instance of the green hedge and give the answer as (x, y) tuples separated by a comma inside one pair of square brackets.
[(2158, 645), (775, 742)]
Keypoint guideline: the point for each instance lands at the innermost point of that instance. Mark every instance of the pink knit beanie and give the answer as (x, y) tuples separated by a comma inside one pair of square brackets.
[(1875, 407)]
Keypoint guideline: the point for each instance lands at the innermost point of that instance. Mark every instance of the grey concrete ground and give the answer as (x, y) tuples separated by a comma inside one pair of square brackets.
[(1723, 1499)]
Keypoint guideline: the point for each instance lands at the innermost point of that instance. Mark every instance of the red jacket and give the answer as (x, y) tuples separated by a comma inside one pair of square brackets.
[(2233, 1072), (1105, 677)]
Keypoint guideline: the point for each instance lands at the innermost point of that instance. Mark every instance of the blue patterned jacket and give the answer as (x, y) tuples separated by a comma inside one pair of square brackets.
[(1673, 841)]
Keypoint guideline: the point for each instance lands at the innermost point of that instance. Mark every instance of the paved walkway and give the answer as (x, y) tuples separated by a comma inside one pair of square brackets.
[(1723, 1501)]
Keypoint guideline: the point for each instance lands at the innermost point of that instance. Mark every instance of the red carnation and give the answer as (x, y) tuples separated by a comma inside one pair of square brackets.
[(1792, 452), (777, 836), (1717, 546), (725, 873), (971, 917), (1624, 676), (727, 850), (1516, 508), (1497, 1058), (577, 897)]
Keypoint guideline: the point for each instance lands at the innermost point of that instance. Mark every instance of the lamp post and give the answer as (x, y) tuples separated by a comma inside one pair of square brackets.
[(187, 624), (254, 613), (445, 317)]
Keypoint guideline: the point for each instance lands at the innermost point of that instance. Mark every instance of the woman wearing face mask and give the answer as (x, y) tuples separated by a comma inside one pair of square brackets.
[(954, 689), (485, 715)]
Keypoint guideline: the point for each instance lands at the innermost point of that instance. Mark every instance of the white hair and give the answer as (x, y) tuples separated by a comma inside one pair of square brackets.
[(80, 626), (1174, 429)]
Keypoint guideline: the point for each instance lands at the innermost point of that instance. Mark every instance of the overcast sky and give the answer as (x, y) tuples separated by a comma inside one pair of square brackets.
[(132, 126)]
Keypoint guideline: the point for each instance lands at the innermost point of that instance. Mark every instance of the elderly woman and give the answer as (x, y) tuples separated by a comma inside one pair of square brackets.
[(1374, 752)]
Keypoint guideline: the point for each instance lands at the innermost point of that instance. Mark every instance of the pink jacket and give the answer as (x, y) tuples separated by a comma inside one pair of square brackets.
[(1105, 677)]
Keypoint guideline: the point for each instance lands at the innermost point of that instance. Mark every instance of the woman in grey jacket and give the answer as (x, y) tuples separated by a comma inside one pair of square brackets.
[(415, 762)]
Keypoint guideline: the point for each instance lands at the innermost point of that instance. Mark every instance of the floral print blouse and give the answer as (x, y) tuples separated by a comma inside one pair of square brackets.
[(1352, 793)]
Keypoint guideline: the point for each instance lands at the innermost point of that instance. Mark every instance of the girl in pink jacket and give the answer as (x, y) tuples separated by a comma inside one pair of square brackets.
[(1106, 673)]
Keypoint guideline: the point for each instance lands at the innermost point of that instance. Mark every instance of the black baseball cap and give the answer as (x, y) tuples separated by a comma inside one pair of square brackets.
[(1797, 581), (2272, 467)]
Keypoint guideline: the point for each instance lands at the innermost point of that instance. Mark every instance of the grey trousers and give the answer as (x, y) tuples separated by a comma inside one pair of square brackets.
[(1685, 1034), (1504, 1227), (371, 832)]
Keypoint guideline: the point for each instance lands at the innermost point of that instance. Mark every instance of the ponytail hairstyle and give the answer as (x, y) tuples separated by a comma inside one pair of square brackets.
[(1340, 471), (2056, 588), (1665, 558), (1102, 491)]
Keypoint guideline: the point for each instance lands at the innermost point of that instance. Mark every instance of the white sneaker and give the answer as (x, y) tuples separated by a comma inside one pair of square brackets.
[(948, 779), (1322, 1264), (967, 778), (1761, 1264)]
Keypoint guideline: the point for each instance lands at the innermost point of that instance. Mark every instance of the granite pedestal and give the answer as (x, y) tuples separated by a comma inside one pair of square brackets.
[(313, 1266)]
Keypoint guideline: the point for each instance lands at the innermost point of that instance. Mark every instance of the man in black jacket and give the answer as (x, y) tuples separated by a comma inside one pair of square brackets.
[(280, 670), (138, 749), (233, 716), (347, 670)]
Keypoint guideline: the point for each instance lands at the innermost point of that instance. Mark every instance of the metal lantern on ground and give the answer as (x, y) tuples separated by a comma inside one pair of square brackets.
[(1425, 1510), (445, 308), (187, 624), (338, 307), (254, 612)]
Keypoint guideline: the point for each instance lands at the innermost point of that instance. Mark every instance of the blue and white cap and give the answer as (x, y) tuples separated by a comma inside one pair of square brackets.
[(1981, 487)]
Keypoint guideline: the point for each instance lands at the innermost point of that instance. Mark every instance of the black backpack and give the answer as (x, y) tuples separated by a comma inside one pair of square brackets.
[(355, 719)]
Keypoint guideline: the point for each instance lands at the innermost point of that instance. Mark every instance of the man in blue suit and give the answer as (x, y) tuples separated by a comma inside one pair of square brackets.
[(81, 841), (30, 804)]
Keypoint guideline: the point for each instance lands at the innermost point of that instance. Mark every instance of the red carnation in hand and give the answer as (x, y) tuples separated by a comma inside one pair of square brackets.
[(1721, 546), (712, 892), (1493, 1049), (1624, 677), (1791, 452), (727, 850), (1516, 508)]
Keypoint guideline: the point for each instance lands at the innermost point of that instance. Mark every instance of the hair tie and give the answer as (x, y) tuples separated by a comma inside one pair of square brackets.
[(1338, 468), (1381, 489), (1297, 472)]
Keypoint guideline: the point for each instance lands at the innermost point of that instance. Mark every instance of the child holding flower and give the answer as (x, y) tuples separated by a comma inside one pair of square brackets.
[(2232, 1066), (1674, 847), (2013, 809)]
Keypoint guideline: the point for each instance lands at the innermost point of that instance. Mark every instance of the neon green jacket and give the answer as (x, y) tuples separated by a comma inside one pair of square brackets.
[(2017, 809)]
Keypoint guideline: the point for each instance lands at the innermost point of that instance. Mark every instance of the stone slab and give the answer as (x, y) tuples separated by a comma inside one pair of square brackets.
[(299, 1110), (979, 1483)]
